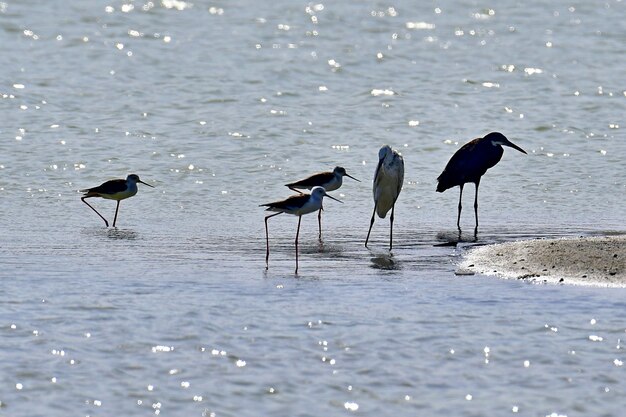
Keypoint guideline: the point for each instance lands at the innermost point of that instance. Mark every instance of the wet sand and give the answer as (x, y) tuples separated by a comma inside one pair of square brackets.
[(597, 261)]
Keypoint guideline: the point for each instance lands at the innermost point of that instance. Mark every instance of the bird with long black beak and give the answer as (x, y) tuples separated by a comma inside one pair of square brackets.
[(470, 163), (297, 205), (329, 180), (113, 190)]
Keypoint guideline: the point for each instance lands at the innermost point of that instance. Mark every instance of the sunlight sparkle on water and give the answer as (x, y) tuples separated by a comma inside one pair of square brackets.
[(531, 71), (334, 64), (161, 348), (419, 25), (176, 4), (351, 406), (380, 92)]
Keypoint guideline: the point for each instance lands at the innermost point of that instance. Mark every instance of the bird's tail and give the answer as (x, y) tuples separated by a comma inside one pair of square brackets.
[(444, 182)]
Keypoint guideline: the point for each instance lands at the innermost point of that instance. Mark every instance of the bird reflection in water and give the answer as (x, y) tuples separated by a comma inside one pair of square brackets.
[(121, 234), (385, 261)]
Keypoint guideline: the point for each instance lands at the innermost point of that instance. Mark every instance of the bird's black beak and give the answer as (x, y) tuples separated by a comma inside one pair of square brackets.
[(332, 198), (350, 176), (152, 186), (514, 146)]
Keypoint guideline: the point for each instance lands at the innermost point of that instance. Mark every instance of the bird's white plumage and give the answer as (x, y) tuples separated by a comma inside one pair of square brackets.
[(388, 180)]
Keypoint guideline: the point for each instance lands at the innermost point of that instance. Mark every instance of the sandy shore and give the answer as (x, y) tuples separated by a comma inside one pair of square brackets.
[(597, 261)]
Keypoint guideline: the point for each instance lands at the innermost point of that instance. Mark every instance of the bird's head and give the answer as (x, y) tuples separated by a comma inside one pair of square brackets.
[(320, 192), (497, 138), (384, 151), (135, 178), (341, 171)]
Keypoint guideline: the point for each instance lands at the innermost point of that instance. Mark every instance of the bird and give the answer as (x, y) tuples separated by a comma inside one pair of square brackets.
[(469, 164), (113, 190), (387, 185), (330, 180), (297, 205)]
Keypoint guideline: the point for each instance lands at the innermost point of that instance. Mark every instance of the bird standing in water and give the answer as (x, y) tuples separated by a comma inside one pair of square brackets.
[(388, 181), (470, 163), (330, 180), (298, 205), (113, 190)]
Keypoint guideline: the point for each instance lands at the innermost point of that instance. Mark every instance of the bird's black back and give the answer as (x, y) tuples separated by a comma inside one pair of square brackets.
[(289, 203), (469, 163), (109, 187)]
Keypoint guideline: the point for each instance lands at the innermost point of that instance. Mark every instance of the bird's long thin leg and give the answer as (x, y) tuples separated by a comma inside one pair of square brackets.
[(116, 209), (319, 222), (297, 234), (105, 220), (267, 241), (476, 208), (371, 224), (391, 228), (458, 219), (296, 190)]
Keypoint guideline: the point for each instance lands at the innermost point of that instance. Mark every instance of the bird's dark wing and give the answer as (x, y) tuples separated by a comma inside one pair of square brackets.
[(461, 167), (109, 187), (310, 182), (290, 203)]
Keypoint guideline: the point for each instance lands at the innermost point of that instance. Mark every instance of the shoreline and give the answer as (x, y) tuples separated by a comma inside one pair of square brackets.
[(597, 261)]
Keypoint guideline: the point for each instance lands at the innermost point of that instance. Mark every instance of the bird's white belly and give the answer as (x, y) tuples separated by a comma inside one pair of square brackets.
[(309, 207), (331, 185), (121, 195), (385, 195)]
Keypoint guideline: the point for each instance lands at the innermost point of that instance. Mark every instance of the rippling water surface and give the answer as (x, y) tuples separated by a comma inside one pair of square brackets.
[(220, 104)]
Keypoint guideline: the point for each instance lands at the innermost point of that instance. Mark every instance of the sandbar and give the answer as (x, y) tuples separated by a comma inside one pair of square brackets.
[(598, 261)]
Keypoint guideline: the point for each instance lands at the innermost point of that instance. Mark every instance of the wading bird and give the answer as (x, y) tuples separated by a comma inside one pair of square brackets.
[(470, 163), (388, 181), (113, 190), (330, 180), (298, 205)]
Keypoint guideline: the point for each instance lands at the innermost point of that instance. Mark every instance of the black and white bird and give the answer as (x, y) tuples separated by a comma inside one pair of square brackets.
[(297, 205), (330, 180), (113, 190)]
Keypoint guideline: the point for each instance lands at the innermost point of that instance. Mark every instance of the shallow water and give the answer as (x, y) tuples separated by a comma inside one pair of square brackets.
[(219, 105)]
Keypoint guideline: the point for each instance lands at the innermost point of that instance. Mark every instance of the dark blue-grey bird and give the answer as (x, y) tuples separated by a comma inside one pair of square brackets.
[(470, 163)]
